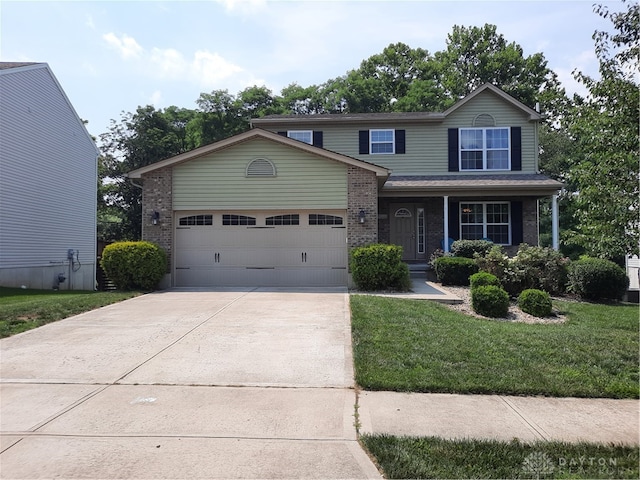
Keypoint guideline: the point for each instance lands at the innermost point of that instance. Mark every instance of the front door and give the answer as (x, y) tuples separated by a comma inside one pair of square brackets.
[(403, 229)]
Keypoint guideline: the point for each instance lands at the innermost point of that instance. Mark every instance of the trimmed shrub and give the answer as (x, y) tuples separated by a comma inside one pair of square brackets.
[(470, 248), (483, 278), (543, 268), (379, 267), (597, 278), (510, 274), (134, 265), (490, 301), (535, 302), (455, 270)]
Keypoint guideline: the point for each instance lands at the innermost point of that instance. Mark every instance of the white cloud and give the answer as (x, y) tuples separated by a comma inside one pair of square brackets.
[(125, 45), (89, 23), (209, 68), (170, 62)]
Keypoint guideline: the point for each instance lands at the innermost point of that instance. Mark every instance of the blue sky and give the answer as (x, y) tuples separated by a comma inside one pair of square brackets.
[(113, 56)]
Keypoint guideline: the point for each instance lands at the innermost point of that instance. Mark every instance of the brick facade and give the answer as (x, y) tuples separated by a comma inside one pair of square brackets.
[(362, 192), (157, 197)]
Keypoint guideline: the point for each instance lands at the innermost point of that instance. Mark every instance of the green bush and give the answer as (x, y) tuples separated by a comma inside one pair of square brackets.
[(134, 265), (379, 267), (535, 302), (543, 268), (490, 301), (597, 278), (508, 271), (470, 248), (483, 278), (455, 270)]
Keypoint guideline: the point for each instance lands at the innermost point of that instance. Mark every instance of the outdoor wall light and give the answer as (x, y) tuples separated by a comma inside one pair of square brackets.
[(155, 218), (362, 216)]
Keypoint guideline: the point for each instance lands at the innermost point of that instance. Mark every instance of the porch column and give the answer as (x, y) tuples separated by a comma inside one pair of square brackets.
[(555, 223), (445, 241)]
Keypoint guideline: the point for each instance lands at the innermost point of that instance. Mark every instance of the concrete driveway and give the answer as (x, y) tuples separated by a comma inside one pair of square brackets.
[(232, 383)]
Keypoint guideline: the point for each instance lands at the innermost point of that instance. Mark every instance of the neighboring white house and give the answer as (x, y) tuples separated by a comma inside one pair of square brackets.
[(48, 182)]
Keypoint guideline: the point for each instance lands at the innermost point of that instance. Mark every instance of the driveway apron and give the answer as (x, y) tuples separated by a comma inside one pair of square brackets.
[(225, 383)]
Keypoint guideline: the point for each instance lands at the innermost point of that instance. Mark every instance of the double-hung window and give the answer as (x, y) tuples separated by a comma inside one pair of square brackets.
[(485, 220), (305, 136), (382, 141), (484, 149)]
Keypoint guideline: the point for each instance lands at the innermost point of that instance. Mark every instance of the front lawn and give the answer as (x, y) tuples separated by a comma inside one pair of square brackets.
[(430, 457), (24, 309), (420, 346)]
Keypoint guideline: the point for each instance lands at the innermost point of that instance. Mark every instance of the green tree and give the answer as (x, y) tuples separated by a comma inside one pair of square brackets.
[(604, 128), (138, 140), (478, 55)]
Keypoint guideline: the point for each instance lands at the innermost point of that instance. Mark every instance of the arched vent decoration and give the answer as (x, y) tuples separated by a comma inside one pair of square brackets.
[(261, 167), (484, 120), (402, 213)]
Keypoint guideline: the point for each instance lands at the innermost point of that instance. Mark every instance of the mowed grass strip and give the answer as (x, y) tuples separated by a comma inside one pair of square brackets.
[(431, 457), (24, 309), (419, 346)]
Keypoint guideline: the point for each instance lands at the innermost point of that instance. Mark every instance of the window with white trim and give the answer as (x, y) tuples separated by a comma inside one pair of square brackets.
[(421, 241), (486, 220), (484, 149), (305, 136), (382, 141)]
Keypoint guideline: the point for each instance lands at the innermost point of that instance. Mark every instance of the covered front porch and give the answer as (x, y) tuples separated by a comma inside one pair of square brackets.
[(419, 213)]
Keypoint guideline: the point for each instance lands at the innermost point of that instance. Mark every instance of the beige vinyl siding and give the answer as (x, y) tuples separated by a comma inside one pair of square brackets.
[(219, 180), (426, 143), (48, 176), (504, 115)]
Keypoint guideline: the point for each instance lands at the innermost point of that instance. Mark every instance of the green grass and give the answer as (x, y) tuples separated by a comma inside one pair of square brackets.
[(429, 457), (22, 310), (418, 346)]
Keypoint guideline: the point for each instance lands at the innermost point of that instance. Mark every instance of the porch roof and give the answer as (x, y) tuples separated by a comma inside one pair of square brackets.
[(470, 185)]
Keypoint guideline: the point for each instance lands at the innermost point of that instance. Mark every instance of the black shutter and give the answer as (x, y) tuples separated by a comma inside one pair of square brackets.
[(516, 223), (363, 142), (454, 220), (284, 134), (516, 148), (317, 139), (453, 150), (400, 141)]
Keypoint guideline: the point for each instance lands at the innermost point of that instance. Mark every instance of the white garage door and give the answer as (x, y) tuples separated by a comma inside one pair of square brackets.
[(293, 248)]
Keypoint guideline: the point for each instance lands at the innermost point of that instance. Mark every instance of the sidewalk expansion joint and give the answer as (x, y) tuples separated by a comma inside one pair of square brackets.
[(536, 428)]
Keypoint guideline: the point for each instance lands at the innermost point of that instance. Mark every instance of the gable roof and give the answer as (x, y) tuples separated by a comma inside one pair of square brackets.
[(394, 117), (533, 115), (253, 134)]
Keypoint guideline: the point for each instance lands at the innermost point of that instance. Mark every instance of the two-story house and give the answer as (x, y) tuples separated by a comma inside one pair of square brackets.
[(48, 184), (282, 203)]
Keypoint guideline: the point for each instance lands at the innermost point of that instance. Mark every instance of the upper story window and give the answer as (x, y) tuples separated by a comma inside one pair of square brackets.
[(311, 137), (305, 136), (382, 141), (484, 149)]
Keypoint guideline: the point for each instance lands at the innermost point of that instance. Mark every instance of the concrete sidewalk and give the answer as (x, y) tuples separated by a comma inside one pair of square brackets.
[(499, 417)]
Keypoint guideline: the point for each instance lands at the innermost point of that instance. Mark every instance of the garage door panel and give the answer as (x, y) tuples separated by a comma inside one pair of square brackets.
[(275, 255)]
